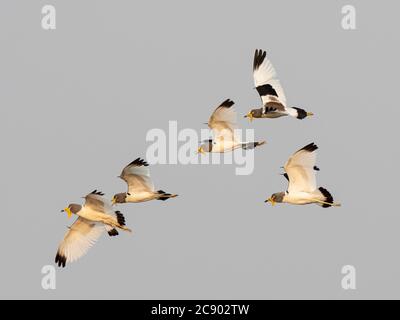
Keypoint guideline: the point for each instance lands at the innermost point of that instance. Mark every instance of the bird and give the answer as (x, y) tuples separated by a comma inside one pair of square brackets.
[(300, 172), (140, 187), (271, 92), (223, 124), (94, 217)]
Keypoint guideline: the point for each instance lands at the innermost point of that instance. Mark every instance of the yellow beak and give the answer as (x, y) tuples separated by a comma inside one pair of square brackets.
[(114, 201), (273, 202), (69, 212), (310, 114), (250, 116), (200, 150)]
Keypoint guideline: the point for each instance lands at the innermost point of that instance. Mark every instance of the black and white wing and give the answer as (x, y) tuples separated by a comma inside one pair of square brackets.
[(81, 236), (223, 121), (137, 176), (300, 169), (267, 85), (96, 201)]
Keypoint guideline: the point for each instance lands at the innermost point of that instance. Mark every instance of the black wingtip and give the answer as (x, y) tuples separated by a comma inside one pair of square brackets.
[(60, 260), (139, 162), (97, 193), (227, 103), (259, 58), (310, 147)]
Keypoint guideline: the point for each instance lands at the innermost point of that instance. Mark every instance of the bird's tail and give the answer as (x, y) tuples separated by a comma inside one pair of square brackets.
[(163, 196), (300, 113), (252, 145)]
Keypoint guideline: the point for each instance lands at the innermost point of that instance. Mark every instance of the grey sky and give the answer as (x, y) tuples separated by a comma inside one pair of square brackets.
[(77, 102)]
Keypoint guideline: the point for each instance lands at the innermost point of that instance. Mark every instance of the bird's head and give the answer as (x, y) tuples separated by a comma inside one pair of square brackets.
[(119, 198), (205, 147), (72, 209), (254, 113), (276, 198)]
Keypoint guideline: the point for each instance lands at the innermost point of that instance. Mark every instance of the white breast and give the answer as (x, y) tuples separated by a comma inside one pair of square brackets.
[(299, 198), (141, 197), (225, 146), (91, 214)]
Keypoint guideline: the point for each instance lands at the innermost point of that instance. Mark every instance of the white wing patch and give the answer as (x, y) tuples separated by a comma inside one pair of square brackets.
[(137, 176), (300, 170), (265, 80), (223, 122), (97, 202)]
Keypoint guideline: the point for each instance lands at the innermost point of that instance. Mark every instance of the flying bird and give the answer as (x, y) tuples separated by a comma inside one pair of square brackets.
[(271, 92), (223, 124), (140, 187), (94, 217), (300, 172)]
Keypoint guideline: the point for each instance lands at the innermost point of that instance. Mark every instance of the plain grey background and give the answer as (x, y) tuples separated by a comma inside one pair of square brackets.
[(77, 102)]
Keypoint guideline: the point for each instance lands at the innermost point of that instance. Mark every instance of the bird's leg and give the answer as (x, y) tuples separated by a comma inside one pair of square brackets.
[(328, 203)]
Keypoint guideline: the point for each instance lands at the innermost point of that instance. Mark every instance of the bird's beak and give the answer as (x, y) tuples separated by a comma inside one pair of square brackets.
[(273, 202), (200, 150), (68, 211), (114, 201), (310, 114), (250, 116)]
